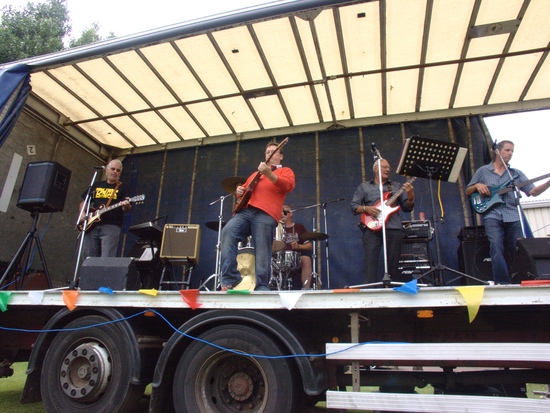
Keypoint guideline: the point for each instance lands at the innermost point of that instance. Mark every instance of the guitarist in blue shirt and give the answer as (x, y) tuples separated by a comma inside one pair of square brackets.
[(102, 235), (493, 197)]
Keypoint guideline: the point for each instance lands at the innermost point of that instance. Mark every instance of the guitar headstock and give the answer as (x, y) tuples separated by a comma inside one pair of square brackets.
[(137, 199)]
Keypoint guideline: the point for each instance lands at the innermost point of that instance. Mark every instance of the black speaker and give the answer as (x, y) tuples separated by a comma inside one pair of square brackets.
[(414, 260), (474, 259), (116, 273), (532, 260), (44, 187), (181, 241)]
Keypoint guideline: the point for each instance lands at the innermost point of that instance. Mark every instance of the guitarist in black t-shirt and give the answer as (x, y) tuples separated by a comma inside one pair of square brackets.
[(102, 235)]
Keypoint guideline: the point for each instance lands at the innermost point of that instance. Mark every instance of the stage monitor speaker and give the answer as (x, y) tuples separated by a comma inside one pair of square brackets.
[(532, 260), (474, 259), (44, 187), (116, 273), (181, 242)]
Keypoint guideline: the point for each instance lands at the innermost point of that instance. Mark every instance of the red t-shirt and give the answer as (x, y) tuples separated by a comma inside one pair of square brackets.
[(269, 196)]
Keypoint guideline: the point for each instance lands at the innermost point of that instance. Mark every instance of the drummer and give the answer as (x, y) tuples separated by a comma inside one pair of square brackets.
[(291, 237)]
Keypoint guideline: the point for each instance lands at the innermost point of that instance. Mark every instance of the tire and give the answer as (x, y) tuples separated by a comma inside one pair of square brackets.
[(87, 370), (209, 379)]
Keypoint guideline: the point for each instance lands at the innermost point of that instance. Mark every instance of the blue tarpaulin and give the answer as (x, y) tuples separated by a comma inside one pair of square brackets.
[(14, 89)]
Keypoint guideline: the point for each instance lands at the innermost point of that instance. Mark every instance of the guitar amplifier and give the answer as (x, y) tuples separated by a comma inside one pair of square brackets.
[(417, 229), (181, 242), (414, 261), (473, 234)]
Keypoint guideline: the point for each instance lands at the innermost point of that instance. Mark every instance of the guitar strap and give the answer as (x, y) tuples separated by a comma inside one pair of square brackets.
[(113, 194)]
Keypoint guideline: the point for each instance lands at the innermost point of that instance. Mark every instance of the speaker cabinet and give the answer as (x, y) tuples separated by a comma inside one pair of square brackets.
[(474, 259), (44, 187), (532, 260), (116, 273), (181, 242)]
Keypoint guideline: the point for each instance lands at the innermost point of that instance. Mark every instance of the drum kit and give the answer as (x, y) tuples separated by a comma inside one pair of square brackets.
[(283, 262)]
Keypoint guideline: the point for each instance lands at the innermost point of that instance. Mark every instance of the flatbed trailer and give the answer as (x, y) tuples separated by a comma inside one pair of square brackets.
[(281, 351)]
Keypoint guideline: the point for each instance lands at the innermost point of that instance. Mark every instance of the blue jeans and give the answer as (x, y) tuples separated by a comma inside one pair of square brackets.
[(502, 240), (101, 241), (249, 221)]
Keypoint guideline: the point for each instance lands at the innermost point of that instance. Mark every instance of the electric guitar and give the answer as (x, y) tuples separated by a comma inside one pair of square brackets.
[(375, 223), (482, 204), (95, 215), (243, 200)]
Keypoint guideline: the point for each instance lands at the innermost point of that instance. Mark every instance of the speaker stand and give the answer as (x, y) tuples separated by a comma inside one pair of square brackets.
[(23, 260)]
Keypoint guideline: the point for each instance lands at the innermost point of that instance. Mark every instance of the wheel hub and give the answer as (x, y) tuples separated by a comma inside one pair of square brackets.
[(85, 372), (240, 386)]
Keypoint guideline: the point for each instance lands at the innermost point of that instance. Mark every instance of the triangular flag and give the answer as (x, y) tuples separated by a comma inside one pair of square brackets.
[(410, 287), (237, 292), (105, 290), (152, 291), (289, 299), (69, 298), (36, 296), (473, 295), (4, 298), (190, 297)]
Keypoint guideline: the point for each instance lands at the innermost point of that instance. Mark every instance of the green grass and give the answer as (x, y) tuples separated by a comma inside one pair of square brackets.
[(11, 388)]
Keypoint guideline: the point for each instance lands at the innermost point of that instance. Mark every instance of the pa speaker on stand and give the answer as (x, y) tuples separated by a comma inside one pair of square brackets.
[(44, 189)]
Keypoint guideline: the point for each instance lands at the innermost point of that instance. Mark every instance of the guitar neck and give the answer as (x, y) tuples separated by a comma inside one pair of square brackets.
[(521, 184), (394, 197), (111, 207)]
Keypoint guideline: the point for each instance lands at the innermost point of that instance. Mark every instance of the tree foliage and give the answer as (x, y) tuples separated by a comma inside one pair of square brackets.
[(39, 28)]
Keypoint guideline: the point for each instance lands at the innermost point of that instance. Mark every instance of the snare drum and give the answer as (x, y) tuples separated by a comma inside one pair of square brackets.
[(289, 260)]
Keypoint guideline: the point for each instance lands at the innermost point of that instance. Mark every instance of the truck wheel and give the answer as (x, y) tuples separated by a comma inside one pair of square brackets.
[(87, 370), (209, 379)]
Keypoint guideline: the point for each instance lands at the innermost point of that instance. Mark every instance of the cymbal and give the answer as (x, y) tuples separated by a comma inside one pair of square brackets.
[(313, 236), (230, 184), (277, 246), (215, 225)]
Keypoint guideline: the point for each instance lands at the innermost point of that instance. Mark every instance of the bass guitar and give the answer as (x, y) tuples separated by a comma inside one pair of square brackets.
[(95, 215), (243, 200), (375, 223), (482, 204)]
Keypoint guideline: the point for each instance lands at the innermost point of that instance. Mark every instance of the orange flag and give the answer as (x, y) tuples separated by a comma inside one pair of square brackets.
[(190, 297), (69, 298)]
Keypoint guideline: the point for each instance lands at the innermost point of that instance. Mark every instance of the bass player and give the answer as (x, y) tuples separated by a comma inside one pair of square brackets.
[(259, 206), (366, 200), (502, 221), (101, 239)]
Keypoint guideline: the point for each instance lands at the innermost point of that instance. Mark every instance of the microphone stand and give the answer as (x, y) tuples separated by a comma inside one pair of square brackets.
[(386, 279), (217, 274), (324, 206), (83, 213)]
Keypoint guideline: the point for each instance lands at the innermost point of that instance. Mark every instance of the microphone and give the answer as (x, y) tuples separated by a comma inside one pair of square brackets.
[(99, 167), (373, 148), (495, 146)]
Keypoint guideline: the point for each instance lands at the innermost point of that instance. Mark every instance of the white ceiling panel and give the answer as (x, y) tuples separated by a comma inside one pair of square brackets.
[(303, 65)]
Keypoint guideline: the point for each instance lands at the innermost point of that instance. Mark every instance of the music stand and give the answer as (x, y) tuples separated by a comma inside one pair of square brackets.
[(433, 159)]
